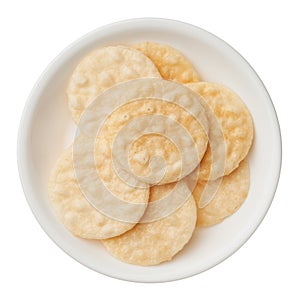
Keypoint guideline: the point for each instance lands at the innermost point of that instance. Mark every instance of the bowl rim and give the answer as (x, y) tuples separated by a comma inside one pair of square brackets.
[(32, 100)]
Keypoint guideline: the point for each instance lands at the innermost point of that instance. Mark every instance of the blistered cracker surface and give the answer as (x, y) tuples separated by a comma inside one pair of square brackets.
[(236, 123), (151, 145), (72, 208), (104, 166), (171, 63), (229, 197), (100, 70), (153, 243)]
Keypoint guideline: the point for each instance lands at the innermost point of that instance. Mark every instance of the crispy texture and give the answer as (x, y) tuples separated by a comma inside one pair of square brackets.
[(236, 123), (171, 63), (72, 208), (100, 70), (152, 145), (153, 243), (231, 194)]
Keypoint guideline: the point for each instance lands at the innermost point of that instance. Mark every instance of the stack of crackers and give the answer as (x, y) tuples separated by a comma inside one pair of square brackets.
[(160, 152)]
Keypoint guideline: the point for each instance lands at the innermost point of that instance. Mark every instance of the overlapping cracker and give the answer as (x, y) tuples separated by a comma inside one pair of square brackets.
[(170, 62), (148, 114), (231, 193), (153, 145), (153, 243), (236, 124), (72, 207), (100, 70)]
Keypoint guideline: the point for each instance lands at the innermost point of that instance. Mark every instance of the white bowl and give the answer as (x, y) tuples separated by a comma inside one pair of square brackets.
[(46, 129)]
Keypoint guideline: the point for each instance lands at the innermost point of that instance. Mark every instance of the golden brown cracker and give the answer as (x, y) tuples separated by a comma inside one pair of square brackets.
[(170, 62), (153, 145), (236, 124), (230, 195), (73, 209), (100, 70), (153, 243)]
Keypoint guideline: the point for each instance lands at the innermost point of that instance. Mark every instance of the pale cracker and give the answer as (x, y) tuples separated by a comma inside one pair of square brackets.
[(170, 62), (153, 243), (73, 209), (153, 145), (236, 124), (232, 192), (100, 70)]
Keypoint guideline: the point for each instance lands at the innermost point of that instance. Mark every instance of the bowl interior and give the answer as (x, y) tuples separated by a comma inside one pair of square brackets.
[(46, 129)]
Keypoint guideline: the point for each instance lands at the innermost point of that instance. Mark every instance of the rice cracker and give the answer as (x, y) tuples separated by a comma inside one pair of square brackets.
[(227, 199), (100, 70), (170, 62), (236, 125), (153, 243), (74, 210), (153, 145)]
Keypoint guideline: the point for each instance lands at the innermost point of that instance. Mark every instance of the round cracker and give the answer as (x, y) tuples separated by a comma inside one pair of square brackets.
[(153, 243), (73, 208), (100, 70), (153, 145), (170, 62), (236, 125), (231, 193)]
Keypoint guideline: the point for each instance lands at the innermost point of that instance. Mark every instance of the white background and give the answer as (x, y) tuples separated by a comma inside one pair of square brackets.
[(265, 32)]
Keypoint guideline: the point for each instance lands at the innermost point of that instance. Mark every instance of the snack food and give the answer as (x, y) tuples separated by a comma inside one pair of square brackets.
[(148, 146), (236, 123), (153, 243), (100, 70), (170, 62), (155, 156), (72, 207), (226, 199)]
